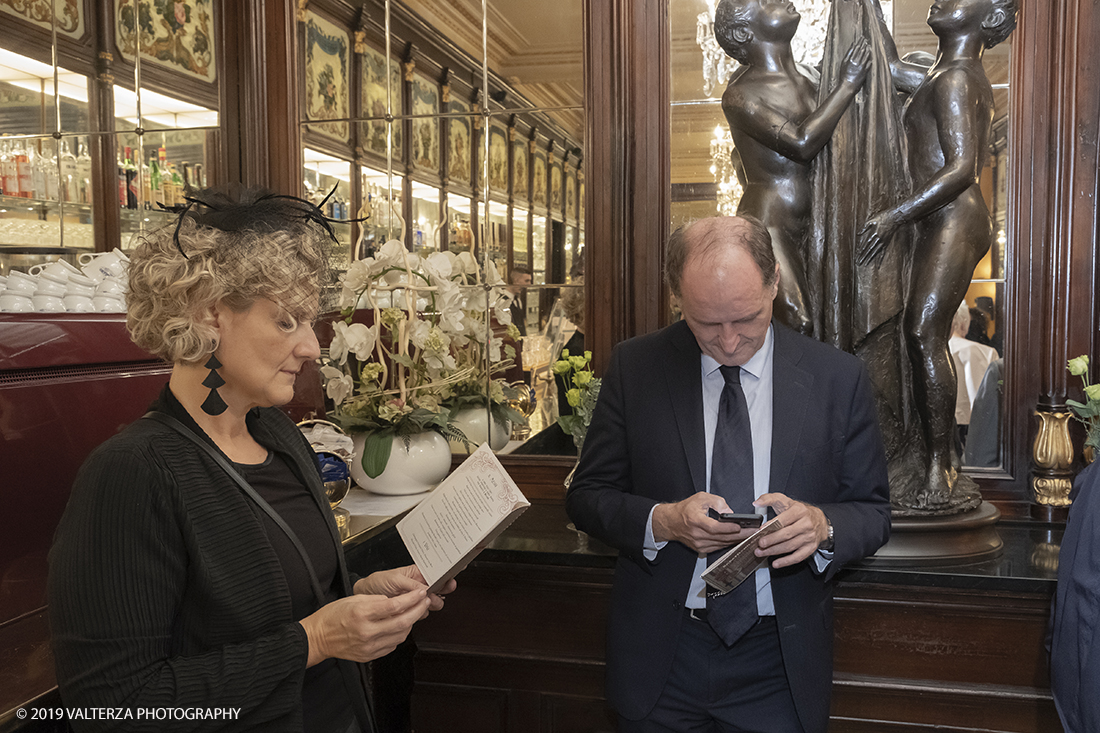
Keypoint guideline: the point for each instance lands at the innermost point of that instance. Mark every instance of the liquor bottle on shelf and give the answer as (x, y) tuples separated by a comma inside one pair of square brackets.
[(121, 180), (131, 180), (70, 177), (5, 185), (39, 171), (167, 189), (156, 189), (25, 173), (84, 174), (177, 186)]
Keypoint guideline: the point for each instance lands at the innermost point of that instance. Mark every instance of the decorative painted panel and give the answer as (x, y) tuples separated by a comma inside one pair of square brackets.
[(538, 182), (498, 157), (458, 161), (555, 189), (175, 34), (375, 98), (70, 14), (580, 201), (326, 72), (519, 169), (425, 142)]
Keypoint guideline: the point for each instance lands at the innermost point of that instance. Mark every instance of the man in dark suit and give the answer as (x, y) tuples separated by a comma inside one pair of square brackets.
[(810, 451)]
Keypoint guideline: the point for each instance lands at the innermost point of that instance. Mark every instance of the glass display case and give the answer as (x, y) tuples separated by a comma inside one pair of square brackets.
[(427, 230), (52, 200), (326, 182), (520, 231), (538, 250), (460, 236), (496, 238), (382, 201)]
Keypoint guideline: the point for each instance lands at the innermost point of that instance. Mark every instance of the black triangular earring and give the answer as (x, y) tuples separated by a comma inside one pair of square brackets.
[(213, 404)]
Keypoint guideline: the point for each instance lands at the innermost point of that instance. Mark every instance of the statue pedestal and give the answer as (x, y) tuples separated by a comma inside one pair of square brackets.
[(958, 539)]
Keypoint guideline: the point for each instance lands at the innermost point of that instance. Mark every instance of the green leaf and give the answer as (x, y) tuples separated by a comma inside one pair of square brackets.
[(404, 360), (376, 452)]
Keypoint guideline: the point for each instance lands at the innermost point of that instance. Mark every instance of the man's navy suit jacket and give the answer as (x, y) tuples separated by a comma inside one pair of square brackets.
[(1075, 614), (646, 445)]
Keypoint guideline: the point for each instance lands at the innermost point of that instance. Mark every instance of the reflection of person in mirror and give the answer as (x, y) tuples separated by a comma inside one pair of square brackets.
[(170, 581), (948, 121), (778, 129), (519, 279), (971, 362)]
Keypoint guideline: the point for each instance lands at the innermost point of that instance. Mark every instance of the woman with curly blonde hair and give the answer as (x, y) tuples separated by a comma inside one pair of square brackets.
[(197, 565)]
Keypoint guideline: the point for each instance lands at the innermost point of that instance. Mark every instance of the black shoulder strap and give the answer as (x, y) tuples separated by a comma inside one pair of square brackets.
[(234, 474)]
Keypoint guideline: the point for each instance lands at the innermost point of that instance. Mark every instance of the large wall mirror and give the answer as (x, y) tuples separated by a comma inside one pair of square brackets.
[(704, 180), (458, 126)]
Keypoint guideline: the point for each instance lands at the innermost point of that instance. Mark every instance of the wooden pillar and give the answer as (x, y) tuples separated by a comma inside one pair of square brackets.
[(1055, 123), (627, 139), (259, 94)]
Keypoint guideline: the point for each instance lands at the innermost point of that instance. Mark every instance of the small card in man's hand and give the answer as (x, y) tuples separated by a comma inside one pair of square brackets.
[(730, 570)]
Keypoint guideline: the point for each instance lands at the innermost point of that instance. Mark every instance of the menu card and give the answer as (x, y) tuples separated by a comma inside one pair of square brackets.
[(460, 517), (730, 570)]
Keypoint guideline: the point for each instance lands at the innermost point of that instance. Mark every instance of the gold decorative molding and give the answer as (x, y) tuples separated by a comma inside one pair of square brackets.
[(303, 8), (1052, 454), (531, 146), (409, 68), (445, 94), (1053, 449), (361, 42), (1051, 491)]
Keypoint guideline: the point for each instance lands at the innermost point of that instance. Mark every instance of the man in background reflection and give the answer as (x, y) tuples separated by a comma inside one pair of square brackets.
[(520, 278), (728, 410)]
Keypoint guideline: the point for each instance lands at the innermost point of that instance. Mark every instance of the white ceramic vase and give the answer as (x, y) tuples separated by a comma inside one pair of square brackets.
[(412, 470), (474, 423)]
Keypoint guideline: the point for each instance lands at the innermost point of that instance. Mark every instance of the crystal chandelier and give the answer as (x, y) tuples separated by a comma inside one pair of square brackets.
[(808, 46)]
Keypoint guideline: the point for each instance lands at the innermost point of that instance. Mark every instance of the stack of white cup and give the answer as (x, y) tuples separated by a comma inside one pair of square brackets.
[(108, 271), (52, 286), (18, 292), (58, 287)]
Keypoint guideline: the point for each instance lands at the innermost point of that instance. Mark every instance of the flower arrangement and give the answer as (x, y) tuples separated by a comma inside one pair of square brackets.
[(584, 390), (1087, 412), (427, 351)]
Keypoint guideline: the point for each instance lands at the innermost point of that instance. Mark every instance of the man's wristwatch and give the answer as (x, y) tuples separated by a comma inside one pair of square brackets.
[(827, 544)]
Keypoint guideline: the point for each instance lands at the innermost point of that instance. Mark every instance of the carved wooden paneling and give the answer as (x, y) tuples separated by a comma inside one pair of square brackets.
[(521, 648)]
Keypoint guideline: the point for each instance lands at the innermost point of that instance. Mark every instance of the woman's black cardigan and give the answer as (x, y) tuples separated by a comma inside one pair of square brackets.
[(164, 591)]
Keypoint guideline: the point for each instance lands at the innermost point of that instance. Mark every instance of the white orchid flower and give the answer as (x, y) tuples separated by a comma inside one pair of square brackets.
[(337, 384), (492, 275), (437, 266), (467, 262), (359, 275), (357, 339), (502, 308), (391, 254), (417, 331)]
